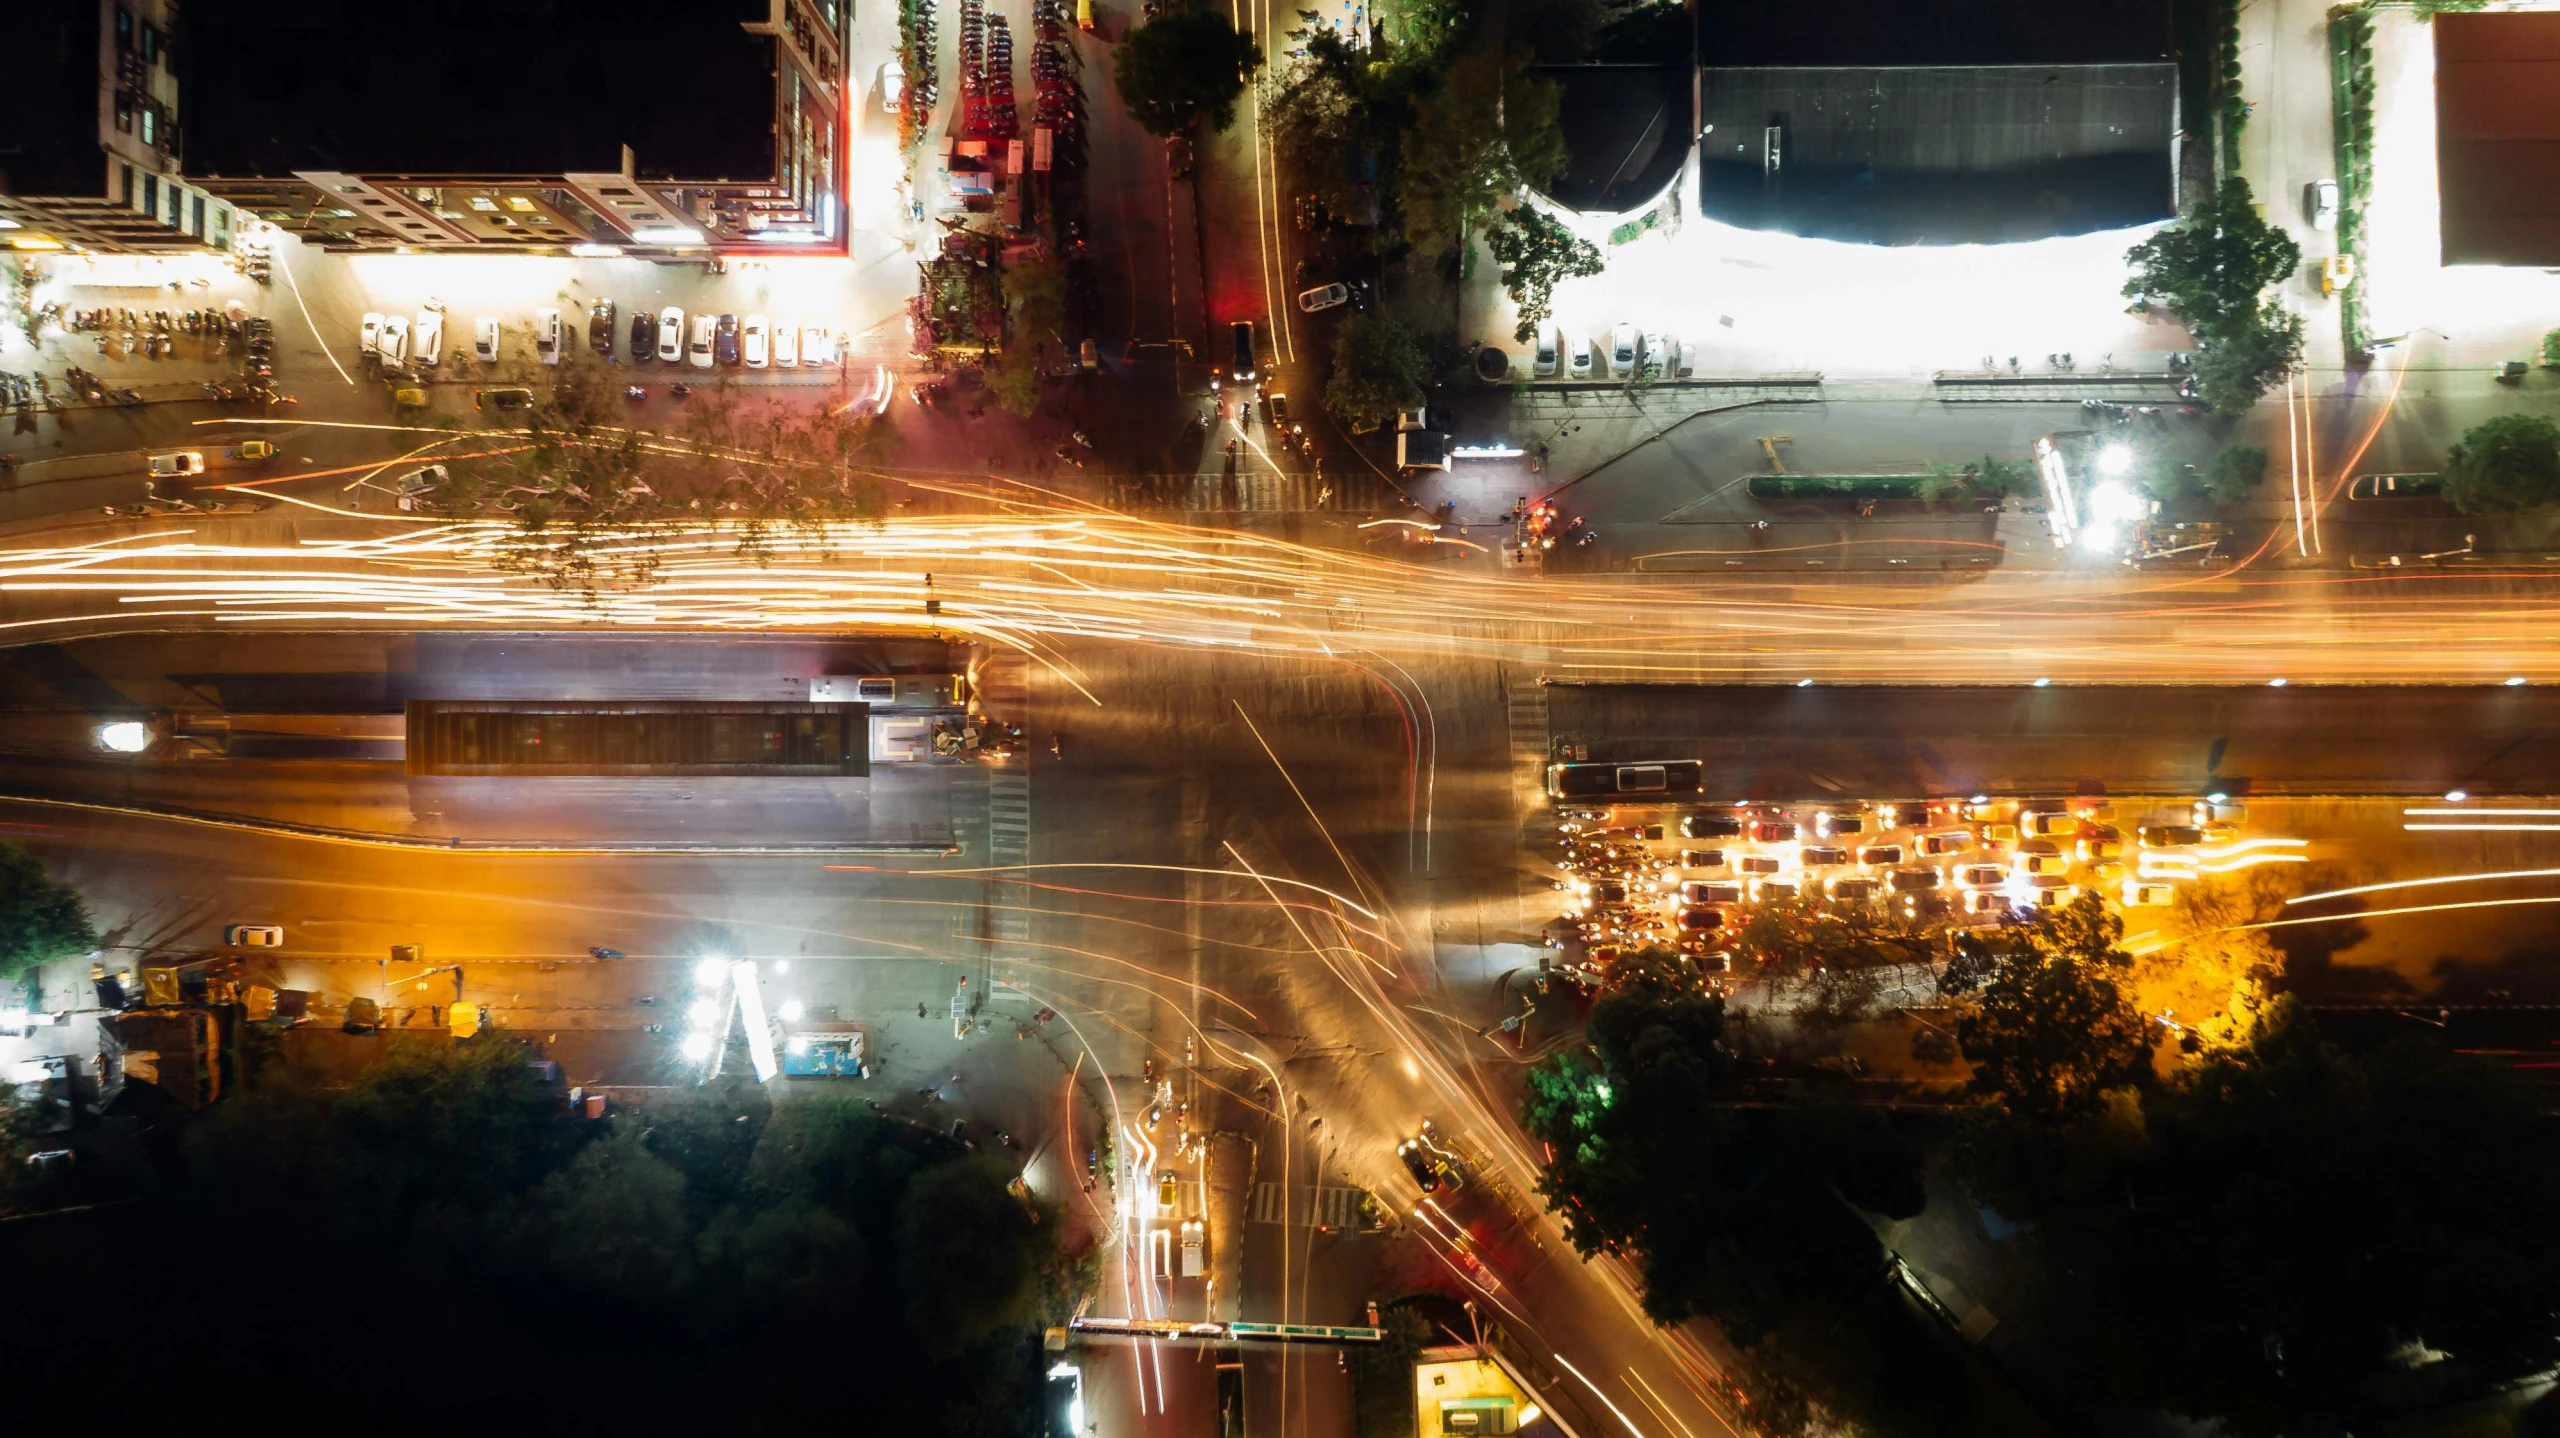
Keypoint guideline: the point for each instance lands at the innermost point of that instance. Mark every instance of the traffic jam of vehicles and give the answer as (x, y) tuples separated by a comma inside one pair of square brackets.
[(1646, 870)]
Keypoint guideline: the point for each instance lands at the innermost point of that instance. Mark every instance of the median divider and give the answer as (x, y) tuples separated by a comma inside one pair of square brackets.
[(457, 844)]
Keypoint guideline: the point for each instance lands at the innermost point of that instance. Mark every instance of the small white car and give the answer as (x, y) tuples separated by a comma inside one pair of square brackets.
[(254, 936), (1625, 348), (546, 336), (428, 339), (1577, 356), (371, 335), (1655, 355), (1549, 351), (2139, 895), (786, 343), (699, 350), (178, 464), (893, 86), (394, 343), (2320, 204), (485, 341), (1323, 297), (817, 347), (670, 335), (753, 338)]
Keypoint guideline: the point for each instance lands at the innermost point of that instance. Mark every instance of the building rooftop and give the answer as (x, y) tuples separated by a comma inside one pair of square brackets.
[(1934, 32), (1626, 131), (2498, 138), (480, 87), (1943, 155), (49, 106)]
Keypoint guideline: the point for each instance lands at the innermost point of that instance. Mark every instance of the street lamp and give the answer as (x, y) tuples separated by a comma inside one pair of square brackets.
[(125, 736)]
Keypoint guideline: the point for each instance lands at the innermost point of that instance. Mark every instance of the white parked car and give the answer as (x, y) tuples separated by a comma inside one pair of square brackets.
[(485, 341), (1577, 355), (1625, 348), (178, 464), (428, 339), (699, 349), (817, 347), (546, 336), (1323, 297), (893, 86), (670, 335), (254, 936), (1656, 354), (2320, 204), (752, 339), (2139, 895), (1549, 351), (394, 344), (786, 342), (371, 341)]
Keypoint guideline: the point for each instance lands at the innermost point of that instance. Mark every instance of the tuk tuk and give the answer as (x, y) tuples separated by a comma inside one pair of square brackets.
[(250, 449), (409, 398)]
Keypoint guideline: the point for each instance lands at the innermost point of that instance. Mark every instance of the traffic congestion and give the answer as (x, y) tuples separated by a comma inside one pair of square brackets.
[(1684, 876)]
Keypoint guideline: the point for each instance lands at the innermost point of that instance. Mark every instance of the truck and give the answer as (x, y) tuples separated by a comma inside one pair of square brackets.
[(824, 1050), (892, 691)]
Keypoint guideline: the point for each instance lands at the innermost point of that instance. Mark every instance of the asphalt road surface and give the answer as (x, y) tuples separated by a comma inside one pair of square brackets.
[(1873, 742)]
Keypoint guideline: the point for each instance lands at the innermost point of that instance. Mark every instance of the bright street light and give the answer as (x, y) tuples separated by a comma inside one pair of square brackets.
[(2115, 459), (696, 1046), (712, 971)]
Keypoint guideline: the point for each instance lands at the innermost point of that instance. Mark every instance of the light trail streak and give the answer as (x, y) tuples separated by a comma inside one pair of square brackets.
[(1596, 1393), (1043, 576), (2390, 913), (1108, 893), (2491, 828), (2468, 812), (2479, 878)]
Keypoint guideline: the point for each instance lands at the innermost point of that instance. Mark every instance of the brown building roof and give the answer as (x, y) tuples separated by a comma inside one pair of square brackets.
[(2498, 138)]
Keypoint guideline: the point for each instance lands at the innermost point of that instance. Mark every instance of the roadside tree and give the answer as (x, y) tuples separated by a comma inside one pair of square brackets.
[(1537, 253), (2509, 462), (1184, 65), (41, 918), (2235, 474), (2248, 358), (2051, 1031), (2209, 268), (1378, 370), (1489, 130)]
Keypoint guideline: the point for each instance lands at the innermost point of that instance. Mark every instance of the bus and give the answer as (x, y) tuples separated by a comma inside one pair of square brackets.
[(555, 738), (1657, 779)]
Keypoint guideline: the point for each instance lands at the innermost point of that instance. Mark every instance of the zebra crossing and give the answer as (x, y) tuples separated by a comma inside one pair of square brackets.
[(1004, 694), (1302, 1207), (1258, 488)]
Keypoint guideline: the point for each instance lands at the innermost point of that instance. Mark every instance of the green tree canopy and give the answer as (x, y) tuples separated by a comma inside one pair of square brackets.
[(2509, 462), (2051, 1031), (1182, 66), (2236, 473), (2248, 358), (1537, 253), (1378, 369), (2278, 1230), (1489, 130), (2209, 268), (41, 918)]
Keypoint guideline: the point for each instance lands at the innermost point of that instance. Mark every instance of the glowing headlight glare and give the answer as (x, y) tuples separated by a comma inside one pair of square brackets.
[(703, 1011), (791, 1011), (2115, 459), (696, 1046), (712, 971), (124, 737)]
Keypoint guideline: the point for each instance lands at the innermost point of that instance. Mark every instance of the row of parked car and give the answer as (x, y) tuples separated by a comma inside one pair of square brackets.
[(1627, 354), (1960, 861), (755, 341)]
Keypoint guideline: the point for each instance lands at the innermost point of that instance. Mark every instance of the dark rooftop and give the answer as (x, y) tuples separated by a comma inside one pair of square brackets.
[(49, 103), (2498, 138), (479, 87), (1934, 32), (1960, 155), (1626, 132)]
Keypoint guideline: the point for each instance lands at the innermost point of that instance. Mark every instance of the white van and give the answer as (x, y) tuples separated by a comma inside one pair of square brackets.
[(1550, 337)]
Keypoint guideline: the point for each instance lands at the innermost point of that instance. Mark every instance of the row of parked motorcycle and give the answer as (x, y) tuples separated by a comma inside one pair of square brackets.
[(154, 334), (924, 85), (1061, 100)]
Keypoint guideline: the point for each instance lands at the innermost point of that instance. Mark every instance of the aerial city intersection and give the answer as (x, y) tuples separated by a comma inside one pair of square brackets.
[(1412, 717)]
